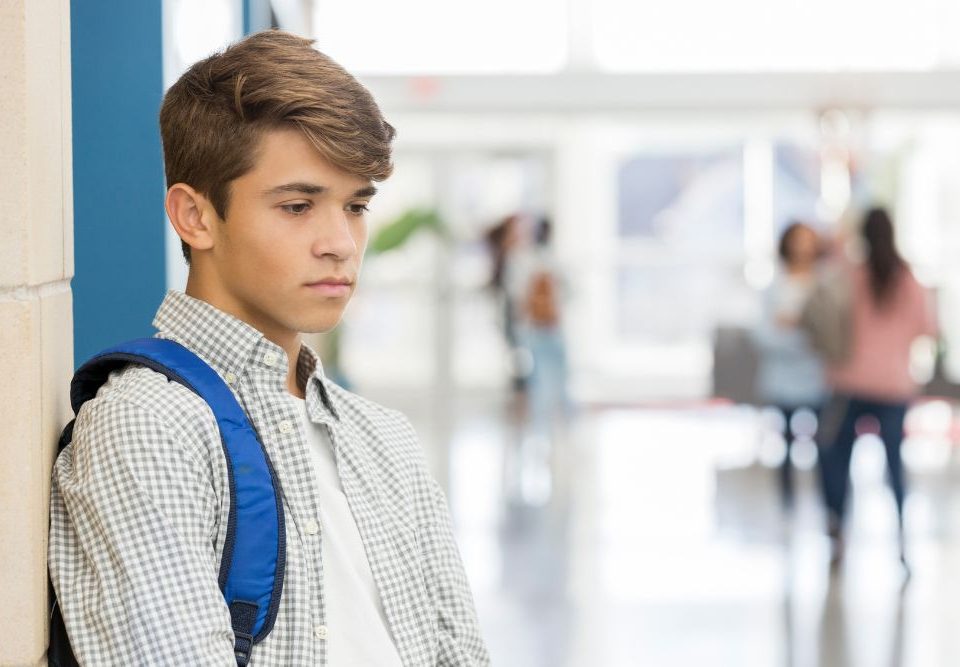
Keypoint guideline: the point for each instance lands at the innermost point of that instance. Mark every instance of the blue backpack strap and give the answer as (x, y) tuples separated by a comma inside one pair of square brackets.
[(251, 573)]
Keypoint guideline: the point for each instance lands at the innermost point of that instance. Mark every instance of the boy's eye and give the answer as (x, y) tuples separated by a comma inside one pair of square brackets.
[(296, 209), (358, 209)]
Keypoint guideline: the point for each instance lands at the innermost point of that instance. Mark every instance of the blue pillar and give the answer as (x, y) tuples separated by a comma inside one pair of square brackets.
[(257, 16), (117, 69)]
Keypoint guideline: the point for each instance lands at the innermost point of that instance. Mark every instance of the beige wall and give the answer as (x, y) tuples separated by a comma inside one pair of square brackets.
[(36, 324)]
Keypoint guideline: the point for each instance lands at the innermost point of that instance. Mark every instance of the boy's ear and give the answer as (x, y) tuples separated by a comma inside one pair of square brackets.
[(191, 215)]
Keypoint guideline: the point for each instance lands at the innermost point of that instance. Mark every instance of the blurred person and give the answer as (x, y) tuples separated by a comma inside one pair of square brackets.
[(888, 311), (270, 151), (537, 286), (790, 375), (504, 240)]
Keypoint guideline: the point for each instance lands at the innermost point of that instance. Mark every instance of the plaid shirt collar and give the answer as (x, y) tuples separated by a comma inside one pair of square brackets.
[(231, 347)]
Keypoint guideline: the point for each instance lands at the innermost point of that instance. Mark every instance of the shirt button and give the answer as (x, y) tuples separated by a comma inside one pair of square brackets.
[(231, 379), (285, 427), (270, 359), (321, 632), (312, 527)]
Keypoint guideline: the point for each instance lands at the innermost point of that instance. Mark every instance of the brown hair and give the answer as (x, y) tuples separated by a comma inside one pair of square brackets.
[(213, 117), (884, 262), (785, 246)]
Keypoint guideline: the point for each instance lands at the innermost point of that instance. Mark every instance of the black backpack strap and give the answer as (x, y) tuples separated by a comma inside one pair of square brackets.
[(59, 653)]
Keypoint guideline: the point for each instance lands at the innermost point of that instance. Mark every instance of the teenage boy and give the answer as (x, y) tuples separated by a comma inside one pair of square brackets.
[(270, 151)]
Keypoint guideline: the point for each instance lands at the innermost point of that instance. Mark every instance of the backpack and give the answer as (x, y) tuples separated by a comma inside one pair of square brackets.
[(541, 302), (251, 572)]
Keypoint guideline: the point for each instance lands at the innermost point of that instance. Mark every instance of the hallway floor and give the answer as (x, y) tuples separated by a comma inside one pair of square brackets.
[(657, 537)]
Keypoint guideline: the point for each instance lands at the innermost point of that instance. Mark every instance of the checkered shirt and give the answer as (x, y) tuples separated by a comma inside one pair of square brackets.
[(140, 500)]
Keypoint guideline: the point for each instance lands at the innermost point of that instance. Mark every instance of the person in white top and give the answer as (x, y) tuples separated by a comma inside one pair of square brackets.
[(537, 287), (790, 376)]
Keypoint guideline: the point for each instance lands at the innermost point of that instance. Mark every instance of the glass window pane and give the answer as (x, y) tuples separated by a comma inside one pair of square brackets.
[(688, 202), (796, 185), (775, 35), (442, 37)]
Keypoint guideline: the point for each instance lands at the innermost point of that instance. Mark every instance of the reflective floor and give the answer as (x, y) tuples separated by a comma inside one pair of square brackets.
[(657, 537)]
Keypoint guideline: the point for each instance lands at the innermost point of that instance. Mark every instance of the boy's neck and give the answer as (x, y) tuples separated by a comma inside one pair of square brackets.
[(290, 342), (293, 387), (293, 358)]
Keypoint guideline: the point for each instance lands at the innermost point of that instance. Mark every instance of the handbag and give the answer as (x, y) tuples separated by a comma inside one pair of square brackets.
[(826, 317)]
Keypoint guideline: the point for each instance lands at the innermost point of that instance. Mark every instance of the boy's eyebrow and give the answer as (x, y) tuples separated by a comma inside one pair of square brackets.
[(313, 189), (302, 188)]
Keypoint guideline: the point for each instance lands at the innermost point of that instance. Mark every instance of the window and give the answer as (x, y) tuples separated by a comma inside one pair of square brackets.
[(442, 37), (775, 35)]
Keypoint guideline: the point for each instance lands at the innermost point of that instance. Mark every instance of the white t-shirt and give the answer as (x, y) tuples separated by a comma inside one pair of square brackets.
[(358, 633)]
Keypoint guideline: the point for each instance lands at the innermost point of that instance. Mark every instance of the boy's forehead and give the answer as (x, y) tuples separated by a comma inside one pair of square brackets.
[(286, 155)]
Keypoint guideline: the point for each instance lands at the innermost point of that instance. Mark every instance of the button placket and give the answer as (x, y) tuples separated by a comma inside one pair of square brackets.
[(306, 518)]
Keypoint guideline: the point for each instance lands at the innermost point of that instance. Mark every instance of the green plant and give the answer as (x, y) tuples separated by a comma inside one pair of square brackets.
[(394, 234)]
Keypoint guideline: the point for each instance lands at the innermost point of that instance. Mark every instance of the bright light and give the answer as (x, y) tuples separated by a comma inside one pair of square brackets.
[(773, 450), (804, 453), (771, 35), (804, 423), (923, 359), (441, 37), (758, 273), (201, 28)]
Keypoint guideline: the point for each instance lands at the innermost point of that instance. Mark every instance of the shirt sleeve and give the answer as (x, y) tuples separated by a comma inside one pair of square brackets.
[(461, 644), (132, 551)]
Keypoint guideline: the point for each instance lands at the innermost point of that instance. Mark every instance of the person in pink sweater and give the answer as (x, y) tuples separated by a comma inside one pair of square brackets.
[(889, 310)]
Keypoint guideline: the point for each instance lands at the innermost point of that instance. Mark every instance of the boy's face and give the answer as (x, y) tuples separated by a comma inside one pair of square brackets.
[(288, 257)]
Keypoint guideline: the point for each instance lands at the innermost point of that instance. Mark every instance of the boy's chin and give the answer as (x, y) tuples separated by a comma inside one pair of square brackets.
[(321, 326)]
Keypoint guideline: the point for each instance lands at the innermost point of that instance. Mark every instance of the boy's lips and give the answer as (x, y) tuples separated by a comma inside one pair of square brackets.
[(331, 281), (333, 287)]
